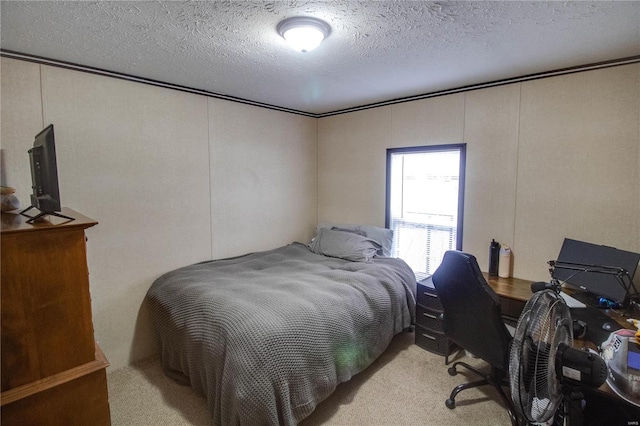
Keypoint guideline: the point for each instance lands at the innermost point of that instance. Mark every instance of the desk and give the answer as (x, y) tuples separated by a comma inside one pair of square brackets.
[(515, 292)]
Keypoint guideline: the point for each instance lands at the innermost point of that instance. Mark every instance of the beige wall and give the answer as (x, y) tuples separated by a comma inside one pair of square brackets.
[(176, 178), (263, 178), (546, 159), (351, 167), (172, 178), (579, 163)]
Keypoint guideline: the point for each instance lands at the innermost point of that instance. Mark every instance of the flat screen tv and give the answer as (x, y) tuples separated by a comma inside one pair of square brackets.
[(44, 177), (597, 270)]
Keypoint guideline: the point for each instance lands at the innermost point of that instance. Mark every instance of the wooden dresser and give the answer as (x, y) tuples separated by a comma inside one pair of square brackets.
[(53, 371)]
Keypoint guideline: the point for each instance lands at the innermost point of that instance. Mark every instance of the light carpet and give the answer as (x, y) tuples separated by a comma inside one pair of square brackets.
[(405, 386)]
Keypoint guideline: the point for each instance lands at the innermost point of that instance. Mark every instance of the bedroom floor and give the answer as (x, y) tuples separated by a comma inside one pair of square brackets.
[(406, 385)]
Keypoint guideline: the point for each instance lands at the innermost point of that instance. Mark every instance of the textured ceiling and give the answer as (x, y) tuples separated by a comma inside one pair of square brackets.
[(377, 50)]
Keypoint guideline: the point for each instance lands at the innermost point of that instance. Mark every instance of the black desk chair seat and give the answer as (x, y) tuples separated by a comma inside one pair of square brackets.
[(472, 318)]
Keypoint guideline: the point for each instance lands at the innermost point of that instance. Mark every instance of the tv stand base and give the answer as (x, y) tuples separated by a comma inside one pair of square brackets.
[(42, 214)]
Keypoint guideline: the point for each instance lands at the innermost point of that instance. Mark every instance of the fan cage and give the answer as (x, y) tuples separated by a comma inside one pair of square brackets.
[(544, 323)]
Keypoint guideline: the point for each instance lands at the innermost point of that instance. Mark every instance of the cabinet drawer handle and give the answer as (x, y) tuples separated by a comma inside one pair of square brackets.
[(428, 337), (435, 296), (429, 315)]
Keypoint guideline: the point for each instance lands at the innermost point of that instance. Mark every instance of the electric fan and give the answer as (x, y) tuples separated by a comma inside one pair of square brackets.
[(545, 370)]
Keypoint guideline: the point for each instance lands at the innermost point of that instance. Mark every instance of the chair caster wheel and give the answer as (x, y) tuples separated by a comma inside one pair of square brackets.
[(450, 403), (452, 371)]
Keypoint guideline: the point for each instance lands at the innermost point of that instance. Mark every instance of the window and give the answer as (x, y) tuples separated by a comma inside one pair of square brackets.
[(425, 197)]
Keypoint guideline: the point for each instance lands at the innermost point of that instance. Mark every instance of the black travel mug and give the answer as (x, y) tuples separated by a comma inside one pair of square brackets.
[(494, 256)]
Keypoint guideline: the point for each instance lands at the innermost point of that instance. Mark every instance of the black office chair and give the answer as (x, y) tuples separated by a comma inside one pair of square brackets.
[(472, 318)]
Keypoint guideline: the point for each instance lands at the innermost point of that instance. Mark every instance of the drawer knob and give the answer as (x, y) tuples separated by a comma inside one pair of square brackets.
[(429, 315), (428, 337)]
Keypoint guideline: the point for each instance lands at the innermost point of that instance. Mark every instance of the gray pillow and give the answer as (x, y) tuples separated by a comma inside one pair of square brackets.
[(353, 231), (345, 245), (383, 236)]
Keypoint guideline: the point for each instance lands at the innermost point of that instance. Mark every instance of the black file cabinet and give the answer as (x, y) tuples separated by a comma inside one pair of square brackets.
[(429, 333)]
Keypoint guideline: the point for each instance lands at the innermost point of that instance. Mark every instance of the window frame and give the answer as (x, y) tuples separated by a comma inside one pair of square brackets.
[(462, 148)]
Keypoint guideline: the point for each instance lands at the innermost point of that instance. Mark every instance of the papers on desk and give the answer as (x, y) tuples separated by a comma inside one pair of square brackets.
[(571, 302)]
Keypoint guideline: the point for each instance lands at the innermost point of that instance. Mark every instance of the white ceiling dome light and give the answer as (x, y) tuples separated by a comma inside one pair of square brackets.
[(303, 33)]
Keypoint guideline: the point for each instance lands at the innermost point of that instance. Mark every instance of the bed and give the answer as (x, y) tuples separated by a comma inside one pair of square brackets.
[(269, 335)]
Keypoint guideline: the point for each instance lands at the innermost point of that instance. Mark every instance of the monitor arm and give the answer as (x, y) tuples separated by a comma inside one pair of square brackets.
[(622, 275)]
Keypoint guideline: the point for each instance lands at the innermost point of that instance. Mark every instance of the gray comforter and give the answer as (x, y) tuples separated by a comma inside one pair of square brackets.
[(267, 336)]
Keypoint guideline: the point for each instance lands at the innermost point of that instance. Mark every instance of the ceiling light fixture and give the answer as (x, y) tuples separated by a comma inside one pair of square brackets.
[(303, 33)]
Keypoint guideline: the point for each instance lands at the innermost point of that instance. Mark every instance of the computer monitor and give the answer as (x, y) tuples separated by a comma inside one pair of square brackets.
[(44, 176), (599, 270)]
